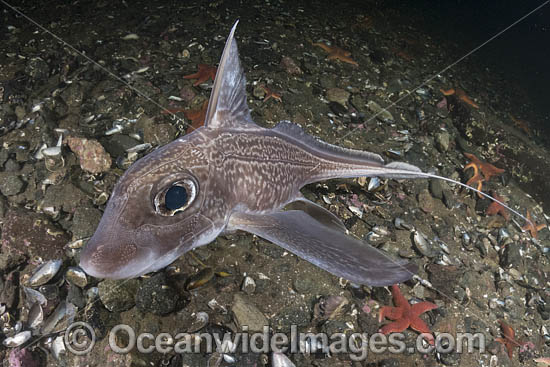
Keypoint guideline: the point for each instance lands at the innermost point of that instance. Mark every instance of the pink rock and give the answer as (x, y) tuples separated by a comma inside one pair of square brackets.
[(290, 66), (93, 157), (32, 235), (187, 94), (22, 358), (442, 104)]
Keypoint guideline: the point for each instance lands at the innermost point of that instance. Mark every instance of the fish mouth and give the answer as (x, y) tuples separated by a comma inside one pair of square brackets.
[(114, 257)]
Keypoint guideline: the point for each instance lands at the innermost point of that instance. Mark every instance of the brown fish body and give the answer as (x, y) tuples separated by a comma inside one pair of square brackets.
[(232, 175)]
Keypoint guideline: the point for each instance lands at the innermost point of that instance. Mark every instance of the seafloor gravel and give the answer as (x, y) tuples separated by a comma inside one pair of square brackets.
[(71, 124)]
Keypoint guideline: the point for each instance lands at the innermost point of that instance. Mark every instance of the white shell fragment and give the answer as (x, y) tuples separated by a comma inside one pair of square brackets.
[(281, 360), (138, 148), (355, 210), (131, 36), (175, 98), (17, 339), (214, 305), (249, 285), (58, 348), (51, 151)]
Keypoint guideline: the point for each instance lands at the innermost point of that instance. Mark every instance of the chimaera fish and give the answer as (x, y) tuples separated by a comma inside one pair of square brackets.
[(232, 175)]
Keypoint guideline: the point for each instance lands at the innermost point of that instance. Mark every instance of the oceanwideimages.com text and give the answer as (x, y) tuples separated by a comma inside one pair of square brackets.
[(80, 339)]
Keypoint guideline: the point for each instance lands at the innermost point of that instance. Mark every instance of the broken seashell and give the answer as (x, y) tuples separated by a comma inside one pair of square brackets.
[(58, 348), (401, 224), (374, 183), (201, 320), (249, 285), (281, 360), (329, 308)]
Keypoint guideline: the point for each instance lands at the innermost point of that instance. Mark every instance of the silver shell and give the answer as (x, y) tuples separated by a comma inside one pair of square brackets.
[(45, 273), (503, 235), (33, 296), (229, 358), (115, 129), (201, 320), (66, 311), (374, 183), (422, 244), (76, 276), (36, 317), (399, 223), (466, 239)]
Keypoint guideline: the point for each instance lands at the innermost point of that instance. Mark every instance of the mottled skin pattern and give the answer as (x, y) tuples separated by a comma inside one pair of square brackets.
[(259, 172)]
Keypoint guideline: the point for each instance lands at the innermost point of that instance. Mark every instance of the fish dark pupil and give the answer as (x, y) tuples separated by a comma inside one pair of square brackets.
[(175, 197)]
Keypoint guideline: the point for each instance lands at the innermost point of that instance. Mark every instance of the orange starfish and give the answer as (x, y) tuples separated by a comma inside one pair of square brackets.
[(509, 339), (531, 226), (363, 22), (336, 53), (460, 95), (545, 361), (476, 178), (402, 54), (405, 315), (197, 117), (205, 72), (495, 208), (487, 169), (270, 94), (522, 125), (171, 110)]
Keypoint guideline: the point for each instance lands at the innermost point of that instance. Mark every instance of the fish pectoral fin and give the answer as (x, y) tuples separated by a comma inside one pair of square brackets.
[(318, 213), (329, 249)]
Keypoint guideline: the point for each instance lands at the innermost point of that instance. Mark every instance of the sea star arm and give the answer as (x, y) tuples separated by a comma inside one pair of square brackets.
[(398, 298), (392, 313), (396, 326)]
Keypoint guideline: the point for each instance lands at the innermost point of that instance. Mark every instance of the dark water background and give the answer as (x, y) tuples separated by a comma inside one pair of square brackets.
[(521, 54)]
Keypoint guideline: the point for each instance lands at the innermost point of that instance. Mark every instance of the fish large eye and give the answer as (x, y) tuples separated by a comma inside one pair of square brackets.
[(175, 197)]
